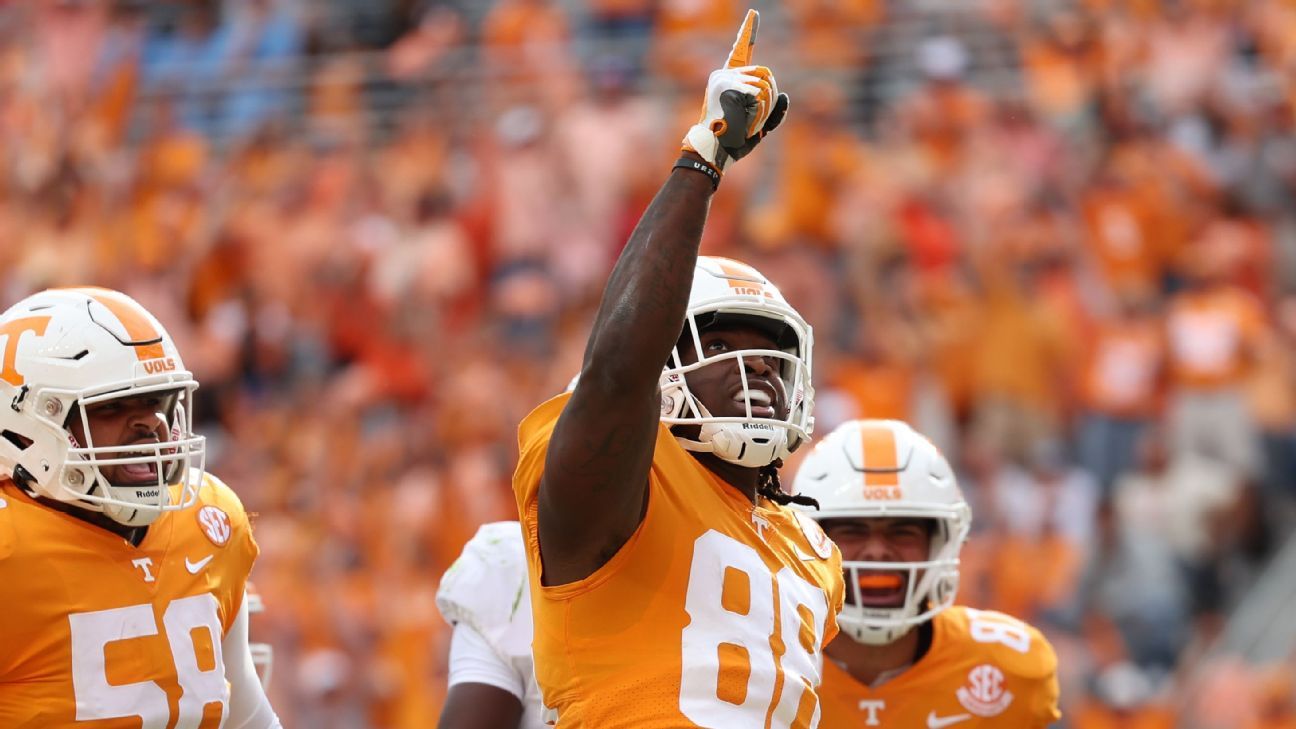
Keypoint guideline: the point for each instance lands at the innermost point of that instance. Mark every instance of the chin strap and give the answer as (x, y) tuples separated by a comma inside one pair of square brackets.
[(727, 442)]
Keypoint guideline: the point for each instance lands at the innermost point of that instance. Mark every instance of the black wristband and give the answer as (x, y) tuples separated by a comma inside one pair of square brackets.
[(700, 166)]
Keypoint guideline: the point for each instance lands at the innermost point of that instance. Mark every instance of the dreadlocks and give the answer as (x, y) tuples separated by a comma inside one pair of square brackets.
[(767, 485)]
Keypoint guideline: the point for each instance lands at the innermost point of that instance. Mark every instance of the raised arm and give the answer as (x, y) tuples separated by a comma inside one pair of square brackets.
[(593, 492)]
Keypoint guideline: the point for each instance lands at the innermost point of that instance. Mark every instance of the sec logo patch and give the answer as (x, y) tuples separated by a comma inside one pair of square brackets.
[(984, 694), (819, 541), (215, 524)]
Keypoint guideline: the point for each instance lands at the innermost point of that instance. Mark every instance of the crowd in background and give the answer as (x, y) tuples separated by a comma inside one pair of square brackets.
[(1057, 237)]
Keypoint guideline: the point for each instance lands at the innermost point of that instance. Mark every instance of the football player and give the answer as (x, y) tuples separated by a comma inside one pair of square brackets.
[(905, 657), (484, 596), (670, 584), (123, 564)]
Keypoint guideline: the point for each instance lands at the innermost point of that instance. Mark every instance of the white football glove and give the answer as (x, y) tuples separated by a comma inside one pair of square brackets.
[(742, 104)]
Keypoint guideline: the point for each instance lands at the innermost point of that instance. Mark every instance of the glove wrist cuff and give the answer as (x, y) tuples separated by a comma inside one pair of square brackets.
[(703, 141), (702, 166)]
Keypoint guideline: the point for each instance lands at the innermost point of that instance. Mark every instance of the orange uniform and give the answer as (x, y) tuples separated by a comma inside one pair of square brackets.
[(713, 614), (984, 669), (104, 635)]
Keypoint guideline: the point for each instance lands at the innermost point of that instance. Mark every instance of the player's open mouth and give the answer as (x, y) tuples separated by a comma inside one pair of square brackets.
[(762, 403), (137, 472), (881, 589)]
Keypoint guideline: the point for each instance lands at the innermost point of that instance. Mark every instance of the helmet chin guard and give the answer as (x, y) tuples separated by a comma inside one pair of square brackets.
[(752, 445), (726, 290)]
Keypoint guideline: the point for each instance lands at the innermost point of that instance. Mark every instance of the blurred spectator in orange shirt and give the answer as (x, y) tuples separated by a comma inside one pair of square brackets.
[(820, 153), (945, 110), (526, 47), (1276, 698), (1061, 64), (1120, 227), (1123, 697), (687, 35), (1120, 384), (1022, 355), (831, 34), (422, 49), (1215, 331), (1186, 44)]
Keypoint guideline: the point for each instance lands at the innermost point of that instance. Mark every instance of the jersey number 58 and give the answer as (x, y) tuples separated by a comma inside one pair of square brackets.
[(98, 698)]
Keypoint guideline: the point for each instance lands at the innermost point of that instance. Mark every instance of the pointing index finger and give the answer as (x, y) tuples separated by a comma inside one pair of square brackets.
[(741, 53)]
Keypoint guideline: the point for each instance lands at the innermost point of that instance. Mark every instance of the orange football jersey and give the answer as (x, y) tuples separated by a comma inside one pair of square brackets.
[(713, 614), (99, 634), (984, 669)]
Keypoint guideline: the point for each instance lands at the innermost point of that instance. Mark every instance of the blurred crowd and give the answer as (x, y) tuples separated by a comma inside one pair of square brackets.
[(1058, 237)]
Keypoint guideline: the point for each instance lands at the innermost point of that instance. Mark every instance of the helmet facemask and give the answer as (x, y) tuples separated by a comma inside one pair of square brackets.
[(82, 479), (930, 587), (748, 440)]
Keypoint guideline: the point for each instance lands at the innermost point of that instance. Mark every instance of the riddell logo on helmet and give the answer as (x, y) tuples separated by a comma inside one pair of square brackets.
[(156, 366)]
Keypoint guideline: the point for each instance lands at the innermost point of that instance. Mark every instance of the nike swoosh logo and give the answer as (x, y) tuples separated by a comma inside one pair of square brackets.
[(195, 567), (804, 557), (938, 722)]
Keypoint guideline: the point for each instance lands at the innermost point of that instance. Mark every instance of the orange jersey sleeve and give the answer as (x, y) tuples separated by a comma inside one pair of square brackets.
[(102, 634), (713, 614), (984, 670)]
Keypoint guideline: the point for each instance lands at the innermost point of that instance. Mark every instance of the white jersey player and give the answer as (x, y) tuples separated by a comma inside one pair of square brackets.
[(484, 596)]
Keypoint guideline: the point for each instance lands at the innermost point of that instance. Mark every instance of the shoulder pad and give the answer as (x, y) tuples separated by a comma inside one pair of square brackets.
[(1016, 646), (215, 492), (487, 586)]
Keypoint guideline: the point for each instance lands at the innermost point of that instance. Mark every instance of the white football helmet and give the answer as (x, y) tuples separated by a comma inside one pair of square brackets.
[(67, 349), (723, 290), (262, 653), (885, 469)]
